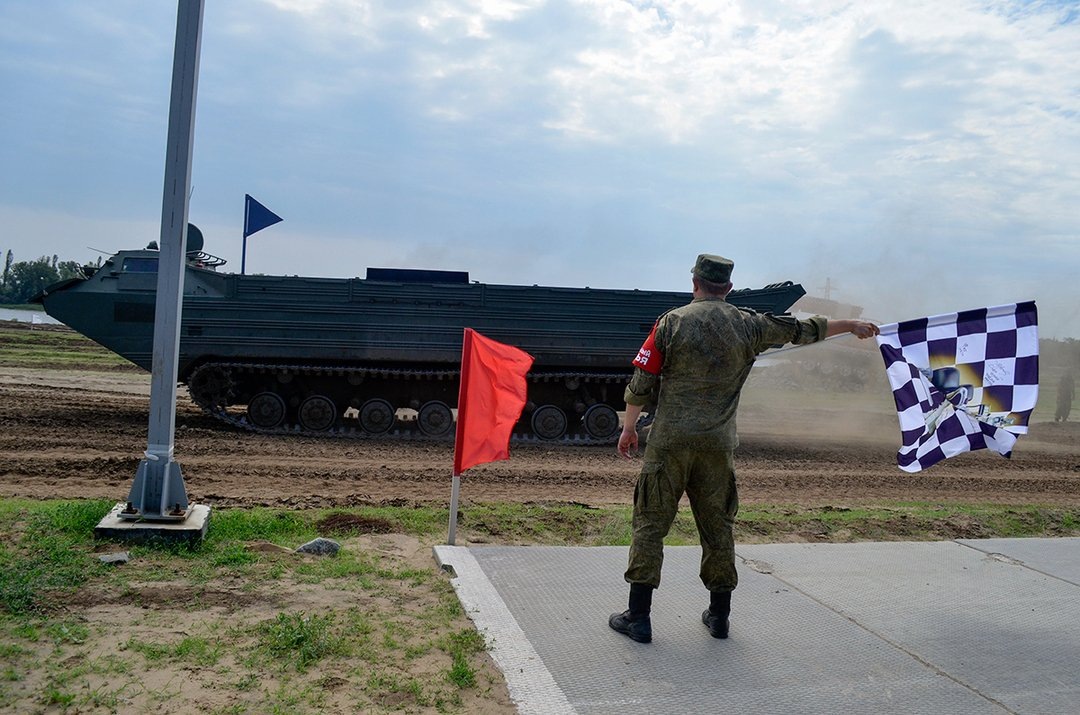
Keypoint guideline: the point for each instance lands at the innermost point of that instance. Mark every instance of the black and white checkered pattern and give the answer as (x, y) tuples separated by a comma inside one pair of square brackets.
[(962, 381)]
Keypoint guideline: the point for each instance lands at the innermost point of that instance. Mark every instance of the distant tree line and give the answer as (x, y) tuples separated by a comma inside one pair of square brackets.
[(22, 280)]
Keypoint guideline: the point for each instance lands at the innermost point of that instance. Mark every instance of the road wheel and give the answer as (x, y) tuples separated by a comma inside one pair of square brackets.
[(317, 413), (601, 422), (435, 418), (266, 410), (377, 416), (549, 422)]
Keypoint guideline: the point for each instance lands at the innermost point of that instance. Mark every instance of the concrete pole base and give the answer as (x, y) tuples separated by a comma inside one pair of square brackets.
[(190, 530)]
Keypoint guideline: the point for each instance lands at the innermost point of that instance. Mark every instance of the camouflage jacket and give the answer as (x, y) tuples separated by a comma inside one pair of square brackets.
[(702, 354)]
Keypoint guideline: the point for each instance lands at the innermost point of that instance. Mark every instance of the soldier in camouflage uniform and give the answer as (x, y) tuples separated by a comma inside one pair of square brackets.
[(693, 366)]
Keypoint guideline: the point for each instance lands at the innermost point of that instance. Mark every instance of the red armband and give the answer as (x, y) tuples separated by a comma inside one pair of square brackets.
[(649, 358)]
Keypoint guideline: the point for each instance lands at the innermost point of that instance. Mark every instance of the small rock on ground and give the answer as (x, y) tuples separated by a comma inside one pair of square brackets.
[(120, 557), (320, 547)]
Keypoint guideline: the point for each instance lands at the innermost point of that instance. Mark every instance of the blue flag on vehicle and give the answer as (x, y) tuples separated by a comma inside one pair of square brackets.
[(256, 216)]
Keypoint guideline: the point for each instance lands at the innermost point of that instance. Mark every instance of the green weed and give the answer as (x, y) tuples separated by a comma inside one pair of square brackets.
[(273, 525), (233, 554), (460, 645), (195, 650), (247, 682), (461, 673), (67, 633), (346, 564), (54, 696), (289, 699), (12, 651), (300, 640)]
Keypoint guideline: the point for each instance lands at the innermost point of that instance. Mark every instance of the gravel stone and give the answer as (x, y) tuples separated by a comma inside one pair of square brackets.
[(320, 547)]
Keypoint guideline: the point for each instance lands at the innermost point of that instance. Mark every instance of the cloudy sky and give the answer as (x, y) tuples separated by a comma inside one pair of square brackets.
[(922, 156)]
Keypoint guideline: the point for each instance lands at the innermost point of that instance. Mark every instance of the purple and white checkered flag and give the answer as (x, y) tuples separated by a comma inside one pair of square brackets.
[(962, 381)]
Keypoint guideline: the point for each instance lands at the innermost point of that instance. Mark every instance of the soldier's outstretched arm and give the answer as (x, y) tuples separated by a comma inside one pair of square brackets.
[(861, 329)]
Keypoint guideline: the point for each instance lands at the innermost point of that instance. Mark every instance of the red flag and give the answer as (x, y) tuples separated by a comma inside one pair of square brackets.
[(490, 401)]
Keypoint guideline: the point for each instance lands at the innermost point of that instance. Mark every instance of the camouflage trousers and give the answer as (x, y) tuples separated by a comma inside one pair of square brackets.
[(707, 477)]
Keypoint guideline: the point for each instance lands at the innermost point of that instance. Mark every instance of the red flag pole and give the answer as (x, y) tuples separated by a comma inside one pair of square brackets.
[(455, 484), (455, 488)]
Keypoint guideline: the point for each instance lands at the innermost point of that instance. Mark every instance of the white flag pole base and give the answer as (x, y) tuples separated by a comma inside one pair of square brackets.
[(455, 489)]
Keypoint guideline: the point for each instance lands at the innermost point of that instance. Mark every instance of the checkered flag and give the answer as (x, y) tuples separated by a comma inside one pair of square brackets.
[(962, 381)]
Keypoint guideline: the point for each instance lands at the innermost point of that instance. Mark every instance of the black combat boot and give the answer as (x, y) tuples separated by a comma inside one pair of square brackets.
[(634, 622), (716, 615)]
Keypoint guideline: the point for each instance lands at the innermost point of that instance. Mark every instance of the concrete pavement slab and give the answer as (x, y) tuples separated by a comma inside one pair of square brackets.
[(1056, 557), (1008, 632), (881, 628)]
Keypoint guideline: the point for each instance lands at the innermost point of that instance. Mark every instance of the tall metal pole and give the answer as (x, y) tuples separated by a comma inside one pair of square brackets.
[(158, 492)]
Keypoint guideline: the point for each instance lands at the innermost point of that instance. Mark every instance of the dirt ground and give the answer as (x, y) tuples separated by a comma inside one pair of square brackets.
[(81, 434)]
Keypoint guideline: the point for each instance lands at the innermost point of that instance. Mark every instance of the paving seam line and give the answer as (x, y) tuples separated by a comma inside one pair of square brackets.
[(899, 647), (1016, 562), (531, 685)]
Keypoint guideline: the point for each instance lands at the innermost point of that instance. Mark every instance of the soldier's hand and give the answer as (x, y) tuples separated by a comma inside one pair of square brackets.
[(863, 329), (860, 328), (628, 441)]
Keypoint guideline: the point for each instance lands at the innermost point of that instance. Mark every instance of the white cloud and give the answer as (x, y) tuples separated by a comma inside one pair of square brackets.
[(472, 18), (674, 73)]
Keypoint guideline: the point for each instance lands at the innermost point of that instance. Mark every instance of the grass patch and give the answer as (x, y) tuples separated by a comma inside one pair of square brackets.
[(55, 348), (461, 645), (547, 523), (194, 650), (46, 551), (904, 521), (61, 632), (916, 521), (265, 524), (299, 640), (362, 568)]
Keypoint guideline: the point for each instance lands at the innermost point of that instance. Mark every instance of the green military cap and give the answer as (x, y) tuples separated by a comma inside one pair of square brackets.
[(715, 269)]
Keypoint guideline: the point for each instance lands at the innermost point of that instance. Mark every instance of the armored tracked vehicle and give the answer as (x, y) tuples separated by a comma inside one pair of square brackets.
[(378, 355)]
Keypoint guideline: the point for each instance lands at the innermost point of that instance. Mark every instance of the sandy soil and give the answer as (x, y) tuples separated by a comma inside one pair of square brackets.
[(81, 434)]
